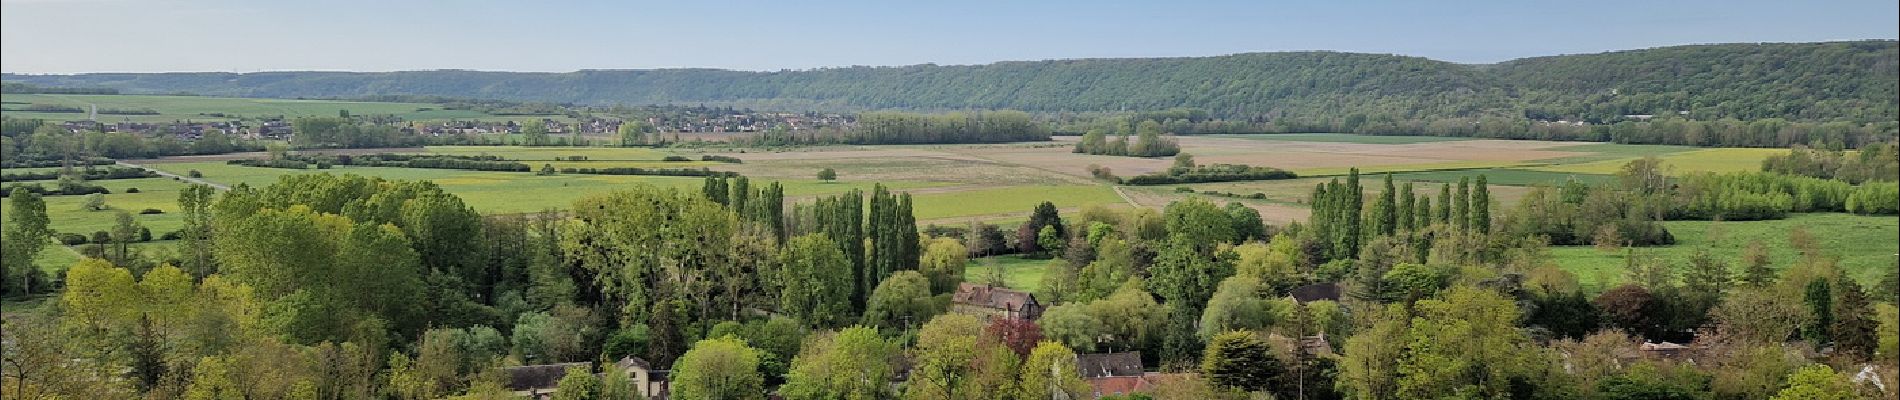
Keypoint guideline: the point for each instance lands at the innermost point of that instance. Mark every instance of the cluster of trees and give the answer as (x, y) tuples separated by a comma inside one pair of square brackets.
[(1877, 163), (890, 127), (87, 173), (1148, 142), (36, 140), (1185, 170)]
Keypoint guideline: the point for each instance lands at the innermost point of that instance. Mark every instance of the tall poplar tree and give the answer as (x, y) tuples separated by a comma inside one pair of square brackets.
[(1461, 205), (1385, 210), (1406, 202), (1481, 206)]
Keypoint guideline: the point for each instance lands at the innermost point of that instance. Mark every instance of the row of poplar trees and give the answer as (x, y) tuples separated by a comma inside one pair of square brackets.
[(1343, 221), (877, 243)]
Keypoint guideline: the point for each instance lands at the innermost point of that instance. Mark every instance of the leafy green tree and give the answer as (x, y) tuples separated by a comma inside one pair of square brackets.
[(26, 232), (720, 368), (633, 133), (194, 206), (816, 281), (943, 263), (1050, 371), (1492, 352), (1236, 306), (1248, 225), (1072, 325), (854, 364), (1240, 360), (945, 357), (578, 384), (901, 300), (1816, 382), (827, 174), (1114, 264), (533, 133)]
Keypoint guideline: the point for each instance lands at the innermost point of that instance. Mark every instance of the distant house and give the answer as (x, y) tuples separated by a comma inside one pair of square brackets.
[(1315, 292), (1119, 385), (651, 383), (1316, 345), (1109, 364), (995, 302), (538, 381), (1664, 350), (1112, 374)]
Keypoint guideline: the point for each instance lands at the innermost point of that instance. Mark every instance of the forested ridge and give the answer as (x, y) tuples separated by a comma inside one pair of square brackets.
[(1829, 81)]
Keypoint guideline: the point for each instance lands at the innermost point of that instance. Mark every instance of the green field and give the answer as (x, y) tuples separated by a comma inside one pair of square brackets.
[(1435, 166), (156, 193), (513, 192), (1502, 176), (1342, 138), (1614, 151), (1704, 160), (1018, 273), (1008, 199), (554, 153), (1864, 244), (172, 108)]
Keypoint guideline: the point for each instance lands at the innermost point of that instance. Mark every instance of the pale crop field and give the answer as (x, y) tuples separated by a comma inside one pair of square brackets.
[(1704, 160)]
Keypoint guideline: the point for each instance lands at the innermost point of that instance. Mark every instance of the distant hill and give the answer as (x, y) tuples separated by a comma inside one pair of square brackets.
[(1852, 81)]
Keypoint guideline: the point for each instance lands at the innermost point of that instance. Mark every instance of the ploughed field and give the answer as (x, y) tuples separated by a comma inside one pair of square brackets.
[(1002, 183)]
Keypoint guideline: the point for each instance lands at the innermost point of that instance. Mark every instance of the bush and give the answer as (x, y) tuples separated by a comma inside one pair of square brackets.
[(145, 234), (150, 211), (1211, 173), (723, 159), (72, 239), (1183, 189), (131, 190), (676, 158), (173, 235), (194, 174)]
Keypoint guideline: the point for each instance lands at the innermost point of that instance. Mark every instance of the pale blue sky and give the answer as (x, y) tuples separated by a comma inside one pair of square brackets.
[(43, 36)]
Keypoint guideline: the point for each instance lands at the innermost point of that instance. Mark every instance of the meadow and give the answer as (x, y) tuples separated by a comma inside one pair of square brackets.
[(1864, 244), (1018, 273), (1681, 162)]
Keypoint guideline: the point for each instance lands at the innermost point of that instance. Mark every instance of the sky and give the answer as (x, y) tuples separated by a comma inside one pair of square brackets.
[(72, 36)]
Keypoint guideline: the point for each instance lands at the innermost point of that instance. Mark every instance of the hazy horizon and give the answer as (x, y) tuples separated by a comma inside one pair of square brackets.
[(238, 36)]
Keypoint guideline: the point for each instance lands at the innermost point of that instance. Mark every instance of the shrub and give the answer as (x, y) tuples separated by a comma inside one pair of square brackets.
[(150, 211), (1183, 189), (676, 158), (72, 239), (173, 235), (194, 174), (131, 190)]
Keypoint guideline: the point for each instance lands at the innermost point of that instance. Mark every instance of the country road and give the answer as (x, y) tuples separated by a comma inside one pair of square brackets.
[(214, 185)]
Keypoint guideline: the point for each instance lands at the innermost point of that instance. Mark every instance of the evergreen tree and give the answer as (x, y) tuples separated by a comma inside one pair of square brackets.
[(1756, 269), (1820, 301), (1854, 331), (1422, 213)]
